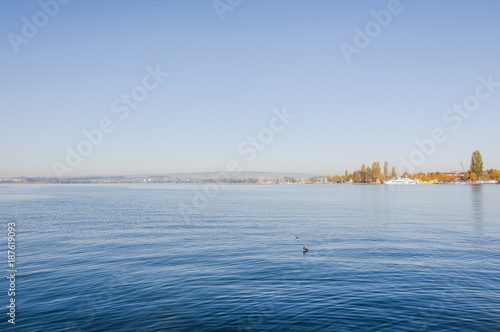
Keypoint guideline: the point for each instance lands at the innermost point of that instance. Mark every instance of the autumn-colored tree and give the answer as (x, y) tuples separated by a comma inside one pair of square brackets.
[(373, 172), (445, 177), (476, 164), (356, 176), (376, 171), (386, 170), (473, 177), (336, 179), (345, 178), (368, 174), (495, 174), (394, 175), (363, 174)]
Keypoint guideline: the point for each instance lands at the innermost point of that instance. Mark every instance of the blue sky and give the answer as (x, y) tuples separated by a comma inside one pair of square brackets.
[(227, 76)]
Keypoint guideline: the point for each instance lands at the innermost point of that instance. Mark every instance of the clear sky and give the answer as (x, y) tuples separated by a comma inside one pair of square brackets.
[(225, 78)]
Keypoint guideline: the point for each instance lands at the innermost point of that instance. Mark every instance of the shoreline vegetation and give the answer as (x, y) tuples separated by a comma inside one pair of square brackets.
[(424, 178), (375, 175), (365, 175)]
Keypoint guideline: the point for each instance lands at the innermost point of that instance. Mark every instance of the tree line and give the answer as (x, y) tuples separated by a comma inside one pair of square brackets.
[(374, 173), (366, 174)]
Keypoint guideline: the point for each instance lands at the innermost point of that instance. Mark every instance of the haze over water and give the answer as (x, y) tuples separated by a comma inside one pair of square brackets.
[(385, 258)]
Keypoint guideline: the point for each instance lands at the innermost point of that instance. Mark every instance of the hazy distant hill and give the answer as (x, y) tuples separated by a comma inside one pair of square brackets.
[(233, 175)]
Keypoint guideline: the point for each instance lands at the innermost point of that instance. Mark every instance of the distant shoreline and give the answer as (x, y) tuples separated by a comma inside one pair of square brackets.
[(64, 182)]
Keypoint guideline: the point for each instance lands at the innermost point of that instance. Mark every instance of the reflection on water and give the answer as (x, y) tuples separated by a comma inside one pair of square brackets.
[(477, 202), (477, 211)]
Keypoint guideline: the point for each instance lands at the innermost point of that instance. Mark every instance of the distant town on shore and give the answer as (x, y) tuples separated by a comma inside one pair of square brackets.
[(365, 175)]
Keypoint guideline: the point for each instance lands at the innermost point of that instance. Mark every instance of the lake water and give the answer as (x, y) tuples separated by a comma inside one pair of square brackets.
[(143, 258)]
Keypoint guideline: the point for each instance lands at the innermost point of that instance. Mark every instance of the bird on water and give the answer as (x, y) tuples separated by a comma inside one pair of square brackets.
[(294, 237), (304, 249)]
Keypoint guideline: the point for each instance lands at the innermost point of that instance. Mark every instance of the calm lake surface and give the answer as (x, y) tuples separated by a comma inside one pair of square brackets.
[(143, 258)]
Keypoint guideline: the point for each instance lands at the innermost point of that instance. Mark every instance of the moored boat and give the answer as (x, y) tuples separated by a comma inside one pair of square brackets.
[(402, 181)]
